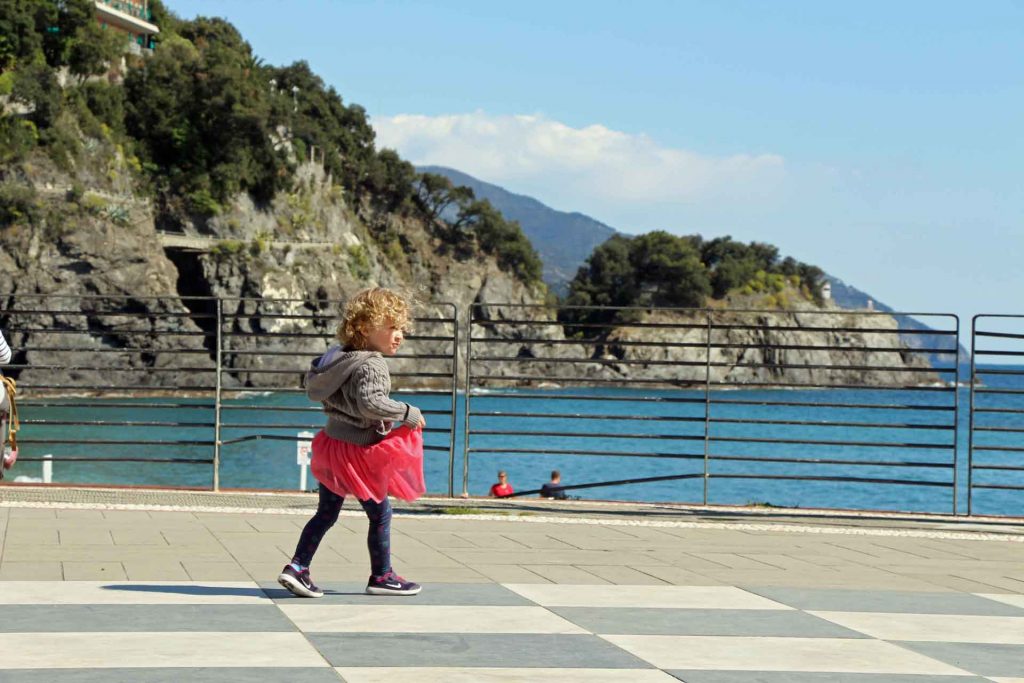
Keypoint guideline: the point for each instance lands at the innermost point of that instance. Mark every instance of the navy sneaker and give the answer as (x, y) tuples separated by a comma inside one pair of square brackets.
[(391, 584), (298, 583)]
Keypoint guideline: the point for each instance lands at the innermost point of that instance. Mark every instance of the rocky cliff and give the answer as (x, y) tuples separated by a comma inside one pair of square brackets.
[(814, 346), (280, 269), (297, 256)]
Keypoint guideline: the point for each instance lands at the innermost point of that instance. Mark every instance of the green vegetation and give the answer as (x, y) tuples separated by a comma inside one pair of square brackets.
[(461, 219), (202, 119), (659, 269)]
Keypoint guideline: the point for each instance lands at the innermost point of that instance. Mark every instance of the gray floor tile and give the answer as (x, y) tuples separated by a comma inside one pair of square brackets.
[(454, 594), (176, 675), (142, 618), (503, 650), (815, 677), (837, 600), (983, 659), (702, 622)]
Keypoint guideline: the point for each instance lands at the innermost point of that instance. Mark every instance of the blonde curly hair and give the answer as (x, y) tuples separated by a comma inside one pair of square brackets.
[(369, 309)]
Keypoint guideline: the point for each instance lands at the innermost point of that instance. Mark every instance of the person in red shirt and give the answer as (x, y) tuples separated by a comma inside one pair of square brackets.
[(502, 489)]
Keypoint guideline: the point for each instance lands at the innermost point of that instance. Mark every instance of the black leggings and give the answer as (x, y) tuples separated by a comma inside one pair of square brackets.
[(378, 538)]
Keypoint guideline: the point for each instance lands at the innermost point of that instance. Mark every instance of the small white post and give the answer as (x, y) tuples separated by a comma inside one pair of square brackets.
[(303, 448), (47, 469)]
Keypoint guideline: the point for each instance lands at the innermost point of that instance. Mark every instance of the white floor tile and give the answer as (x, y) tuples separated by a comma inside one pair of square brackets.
[(131, 593), (837, 655), (426, 619), (678, 597), (153, 650), (1005, 598), (482, 675), (943, 628)]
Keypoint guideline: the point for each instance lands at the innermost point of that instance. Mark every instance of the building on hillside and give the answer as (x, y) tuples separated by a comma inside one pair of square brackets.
[(132, 17), (826, 291)]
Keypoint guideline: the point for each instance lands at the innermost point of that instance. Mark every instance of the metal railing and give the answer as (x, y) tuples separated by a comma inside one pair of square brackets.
[(708, 406), (156, 382), (996, 445), (694, 395)]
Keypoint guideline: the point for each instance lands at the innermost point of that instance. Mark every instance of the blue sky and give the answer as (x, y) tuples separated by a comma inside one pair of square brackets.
[(879, 140)]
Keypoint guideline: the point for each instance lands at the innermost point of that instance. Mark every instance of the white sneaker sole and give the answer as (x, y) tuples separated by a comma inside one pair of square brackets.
[(296, 588), (372, 590)]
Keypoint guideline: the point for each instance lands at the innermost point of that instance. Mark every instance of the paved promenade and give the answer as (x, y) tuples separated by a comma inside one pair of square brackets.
[(164, 586)]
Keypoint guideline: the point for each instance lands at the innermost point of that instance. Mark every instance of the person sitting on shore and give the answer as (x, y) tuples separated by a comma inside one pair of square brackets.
[(553, 489), (502, 489)]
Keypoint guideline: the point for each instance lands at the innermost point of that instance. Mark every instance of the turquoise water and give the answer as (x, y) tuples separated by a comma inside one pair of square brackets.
[(663, 424)]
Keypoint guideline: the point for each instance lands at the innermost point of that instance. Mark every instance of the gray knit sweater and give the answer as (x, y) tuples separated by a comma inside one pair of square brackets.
[(353, 387)]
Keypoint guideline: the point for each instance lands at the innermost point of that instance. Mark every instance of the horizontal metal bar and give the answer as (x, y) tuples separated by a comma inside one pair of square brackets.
[(112, 423), (122, 349), (869, 387), (285, 409), (22, 386), (715, 400), (83, 458), (699, 363), (598, 361), (1004, 487), (397, 356), (267, 371), (1003, 392), (107, 368), (40, 403), (821, 442), (696, 383), (1008, 449), (1002, 468), (821, 423), (560, 451), (1009, 430), (852, 480), (987, 352), (999, 335), (571, 397), (832, 461), (597, 341), (116, 442), (22, 312), (304, 427), (1010, 411), (583, 416), (586, 435), (810, 328), (481, 322), (111, 332)]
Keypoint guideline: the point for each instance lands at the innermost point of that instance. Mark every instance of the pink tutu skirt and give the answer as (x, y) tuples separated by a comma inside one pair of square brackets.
[(392, 467)]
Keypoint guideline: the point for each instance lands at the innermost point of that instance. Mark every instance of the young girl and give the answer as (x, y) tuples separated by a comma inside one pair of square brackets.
[(360, 451)]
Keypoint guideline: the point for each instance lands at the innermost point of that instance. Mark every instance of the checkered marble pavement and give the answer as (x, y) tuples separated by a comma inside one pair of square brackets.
[(214, 632)]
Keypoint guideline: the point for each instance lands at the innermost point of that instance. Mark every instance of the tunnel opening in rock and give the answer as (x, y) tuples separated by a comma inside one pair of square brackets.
[(196, 294)]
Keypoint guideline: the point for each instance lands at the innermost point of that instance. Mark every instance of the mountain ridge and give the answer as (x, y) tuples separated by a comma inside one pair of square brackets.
[(564, 239)]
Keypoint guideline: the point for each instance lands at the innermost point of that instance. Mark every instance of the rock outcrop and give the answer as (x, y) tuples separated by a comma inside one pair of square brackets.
[(97, 296)]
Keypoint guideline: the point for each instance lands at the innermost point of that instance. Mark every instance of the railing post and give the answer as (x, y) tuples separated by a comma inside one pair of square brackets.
[(956, 415), (217, 398), (707, 405), (970, 423), (455, 399), (466, 401)]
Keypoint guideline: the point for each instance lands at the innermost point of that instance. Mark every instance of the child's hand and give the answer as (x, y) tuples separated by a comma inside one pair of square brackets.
[(423, 423)]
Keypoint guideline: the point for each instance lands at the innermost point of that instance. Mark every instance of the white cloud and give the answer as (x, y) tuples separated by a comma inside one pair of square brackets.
[(576, 167)]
